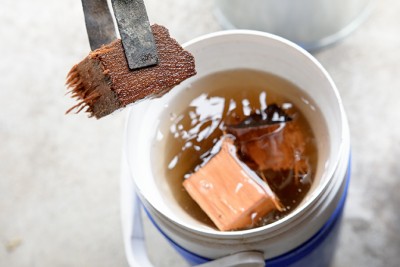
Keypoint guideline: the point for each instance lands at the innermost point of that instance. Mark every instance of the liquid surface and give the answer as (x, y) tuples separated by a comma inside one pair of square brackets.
[(190, 132)]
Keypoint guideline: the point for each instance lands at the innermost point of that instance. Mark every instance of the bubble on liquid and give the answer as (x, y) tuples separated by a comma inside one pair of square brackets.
[(179, 118), (203, 134), (194, 122), (221, 126), (246, 107), (287, 105), (187, 145), (173, 162), (232, 105), (192, 115), (263, 104), (172, 128)]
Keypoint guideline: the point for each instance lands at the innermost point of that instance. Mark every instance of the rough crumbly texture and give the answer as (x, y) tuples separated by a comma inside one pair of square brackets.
[(103, 82)]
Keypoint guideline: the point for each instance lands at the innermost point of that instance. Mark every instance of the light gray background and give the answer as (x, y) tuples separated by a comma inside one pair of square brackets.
[(59, 175)]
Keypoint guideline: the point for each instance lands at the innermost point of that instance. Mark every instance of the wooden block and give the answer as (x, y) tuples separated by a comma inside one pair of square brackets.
[(103, 82), (229, 192)]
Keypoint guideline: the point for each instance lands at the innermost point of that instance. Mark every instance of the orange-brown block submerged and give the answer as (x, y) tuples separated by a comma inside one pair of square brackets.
[(103, 82), (229, 192)]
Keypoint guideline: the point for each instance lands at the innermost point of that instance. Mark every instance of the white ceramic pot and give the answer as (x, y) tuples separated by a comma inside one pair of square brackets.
[(239, 49)]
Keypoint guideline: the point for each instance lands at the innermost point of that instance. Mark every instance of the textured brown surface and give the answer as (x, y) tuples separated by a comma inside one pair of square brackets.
[(103, 81)]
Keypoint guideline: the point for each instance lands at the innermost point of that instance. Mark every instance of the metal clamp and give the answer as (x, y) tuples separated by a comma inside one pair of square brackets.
[(133, 25)]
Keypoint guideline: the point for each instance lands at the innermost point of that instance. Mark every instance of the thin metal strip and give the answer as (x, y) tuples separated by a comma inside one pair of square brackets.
[(137, 37), (99, 23)]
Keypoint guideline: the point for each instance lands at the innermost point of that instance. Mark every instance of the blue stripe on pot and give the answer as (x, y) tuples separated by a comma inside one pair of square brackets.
[(317, 251)]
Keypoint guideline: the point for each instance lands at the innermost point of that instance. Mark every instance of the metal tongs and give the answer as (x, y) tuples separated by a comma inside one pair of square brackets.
[(133, 26)]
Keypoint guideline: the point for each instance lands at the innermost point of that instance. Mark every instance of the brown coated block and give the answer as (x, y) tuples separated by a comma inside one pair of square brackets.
[(103, 82)]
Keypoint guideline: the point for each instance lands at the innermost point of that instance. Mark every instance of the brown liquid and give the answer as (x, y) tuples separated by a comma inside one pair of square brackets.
[(196, 120)]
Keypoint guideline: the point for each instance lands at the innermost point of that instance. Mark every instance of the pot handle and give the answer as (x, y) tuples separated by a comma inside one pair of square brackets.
[(132, 228), (240, 259)]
